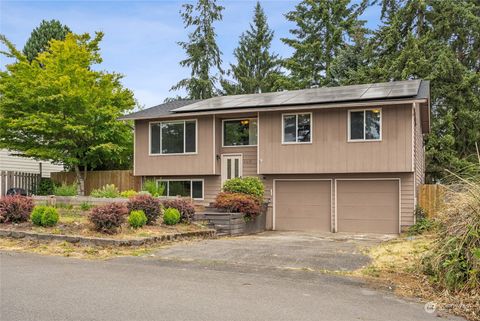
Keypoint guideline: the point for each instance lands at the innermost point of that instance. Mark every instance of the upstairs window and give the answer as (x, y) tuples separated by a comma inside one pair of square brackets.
[(240, 132), (365, 125), (297, 128), (173, 137)]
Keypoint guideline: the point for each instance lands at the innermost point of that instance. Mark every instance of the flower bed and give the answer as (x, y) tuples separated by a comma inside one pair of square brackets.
[(74, 226)]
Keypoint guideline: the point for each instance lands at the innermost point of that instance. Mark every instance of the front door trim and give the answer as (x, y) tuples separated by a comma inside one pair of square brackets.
[(223, 169), (373, 179), (300, 179)]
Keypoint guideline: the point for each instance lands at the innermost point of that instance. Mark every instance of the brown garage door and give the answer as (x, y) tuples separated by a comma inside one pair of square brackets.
[(303, 205), (367, 206)]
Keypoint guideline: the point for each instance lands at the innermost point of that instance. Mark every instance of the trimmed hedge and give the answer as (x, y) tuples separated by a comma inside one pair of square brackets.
[(15, 209), (238, 203), (44, 216), (137, 219), (246, 185), (171, 216), (108, 218), (185, 207), (151, 206)]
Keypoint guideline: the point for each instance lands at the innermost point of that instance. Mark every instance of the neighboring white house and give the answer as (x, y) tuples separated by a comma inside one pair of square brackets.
[(28, 165)]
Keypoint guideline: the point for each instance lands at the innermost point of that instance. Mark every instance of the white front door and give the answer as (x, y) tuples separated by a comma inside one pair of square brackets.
[(231, 166)]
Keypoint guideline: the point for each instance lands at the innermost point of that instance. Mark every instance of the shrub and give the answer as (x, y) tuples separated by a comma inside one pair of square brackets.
[(171, 216), (65, 190), (153, 188), (36, 216), (108, 218), (151, 206), (107, 191), (238, 203), (185, 207), (137, 219), (454, 259), (421, 226), (15, 209), (85, 206), (246, 185), (45, 187), (49, 217), (129, 193)]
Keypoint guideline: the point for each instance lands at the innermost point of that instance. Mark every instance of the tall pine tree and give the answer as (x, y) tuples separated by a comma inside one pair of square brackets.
[(438, 40), (203, 54), (41, 36), (257, 69), (323, 29)]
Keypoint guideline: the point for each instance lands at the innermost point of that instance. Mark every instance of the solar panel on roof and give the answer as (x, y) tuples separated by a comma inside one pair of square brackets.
[(395, 89)]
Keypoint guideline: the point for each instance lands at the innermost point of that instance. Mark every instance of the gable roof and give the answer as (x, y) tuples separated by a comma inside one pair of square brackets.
[(412, 89)]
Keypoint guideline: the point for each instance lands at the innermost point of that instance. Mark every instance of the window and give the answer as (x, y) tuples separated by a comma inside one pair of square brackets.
[(240, 132), (173, 137), (185, 188), (297, 128), (365, 124)]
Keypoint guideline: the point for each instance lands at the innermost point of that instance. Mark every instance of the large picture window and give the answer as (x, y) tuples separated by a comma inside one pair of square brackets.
[(173, 137), (297, 128), (240, 132), (365, 125), (185, 188)]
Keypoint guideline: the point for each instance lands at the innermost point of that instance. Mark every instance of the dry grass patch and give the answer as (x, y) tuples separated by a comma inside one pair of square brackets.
[(67, 249), (396, 264)]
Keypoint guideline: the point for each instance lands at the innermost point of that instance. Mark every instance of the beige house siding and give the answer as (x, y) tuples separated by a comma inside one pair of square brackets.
[(330, 152), (201, 163)]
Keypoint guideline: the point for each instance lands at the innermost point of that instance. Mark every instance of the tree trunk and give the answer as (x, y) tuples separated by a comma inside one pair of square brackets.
[(80, 182)]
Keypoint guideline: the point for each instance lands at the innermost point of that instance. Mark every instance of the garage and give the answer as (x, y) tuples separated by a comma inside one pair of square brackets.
[(367, 206), (302, 205)]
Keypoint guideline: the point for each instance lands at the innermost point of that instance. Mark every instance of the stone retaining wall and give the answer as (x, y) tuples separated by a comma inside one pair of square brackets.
[(210, 233)]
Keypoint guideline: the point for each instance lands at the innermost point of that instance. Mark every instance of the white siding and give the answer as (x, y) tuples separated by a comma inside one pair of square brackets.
[(23, 164)]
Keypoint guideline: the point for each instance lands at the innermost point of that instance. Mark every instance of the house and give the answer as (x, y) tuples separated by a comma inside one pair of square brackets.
[(10, 162), (342, 159)]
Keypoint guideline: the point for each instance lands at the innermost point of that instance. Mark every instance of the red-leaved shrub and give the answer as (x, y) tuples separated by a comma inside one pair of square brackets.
[(238, 203), (15, 209), (108, 218), (151, 206), (185, 207)]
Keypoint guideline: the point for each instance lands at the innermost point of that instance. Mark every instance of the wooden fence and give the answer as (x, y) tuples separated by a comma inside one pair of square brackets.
[(431, 198), (122, 179), (28, 181)]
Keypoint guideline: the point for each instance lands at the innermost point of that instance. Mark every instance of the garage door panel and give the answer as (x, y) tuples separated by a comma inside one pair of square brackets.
[(374, 186), (367, 206), (303, 205), (369, 226)]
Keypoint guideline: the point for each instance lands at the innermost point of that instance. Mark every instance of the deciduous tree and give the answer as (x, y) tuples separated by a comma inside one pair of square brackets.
[(59, 108)]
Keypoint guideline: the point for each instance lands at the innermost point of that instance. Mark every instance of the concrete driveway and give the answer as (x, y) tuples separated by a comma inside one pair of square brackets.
[(284, 250)]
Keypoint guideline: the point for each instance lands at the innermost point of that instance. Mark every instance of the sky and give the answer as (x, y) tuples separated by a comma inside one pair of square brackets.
[(141, 37)]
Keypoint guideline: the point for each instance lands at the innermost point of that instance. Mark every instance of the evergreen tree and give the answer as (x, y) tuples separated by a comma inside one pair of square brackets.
[(41, 36), (257, 69), (438, 40), (203, 54), (323, 29)]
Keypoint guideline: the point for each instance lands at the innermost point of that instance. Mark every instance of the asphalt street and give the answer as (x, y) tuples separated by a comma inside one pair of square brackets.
[(34, 287)]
